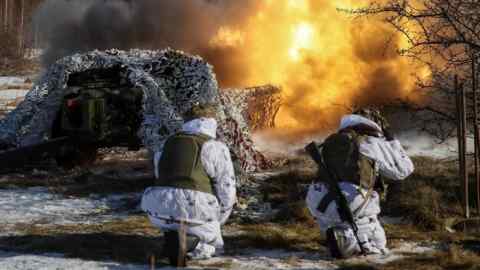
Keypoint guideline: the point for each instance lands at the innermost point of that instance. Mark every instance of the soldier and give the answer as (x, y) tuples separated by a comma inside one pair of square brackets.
[(195, 188), (352, 162)]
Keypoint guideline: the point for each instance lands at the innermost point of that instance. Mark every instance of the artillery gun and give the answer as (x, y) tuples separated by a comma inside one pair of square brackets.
[(99, 109)]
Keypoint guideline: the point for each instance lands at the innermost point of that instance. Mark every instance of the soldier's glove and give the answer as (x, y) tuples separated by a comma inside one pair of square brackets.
[(387, 133)]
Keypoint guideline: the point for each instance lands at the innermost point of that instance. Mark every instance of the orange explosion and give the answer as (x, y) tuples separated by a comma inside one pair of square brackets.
[(324, 60)]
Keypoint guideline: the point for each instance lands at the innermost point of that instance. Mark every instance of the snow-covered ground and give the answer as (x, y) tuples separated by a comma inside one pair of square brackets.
[(8, 80), (14, 261), (246, 260), (39, 206), (12, 93)]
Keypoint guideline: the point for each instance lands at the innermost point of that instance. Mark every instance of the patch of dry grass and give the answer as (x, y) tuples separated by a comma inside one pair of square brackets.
[(429, 196), (286, 192), (24, 86), (101, 178), (298, 237), (19, 67)]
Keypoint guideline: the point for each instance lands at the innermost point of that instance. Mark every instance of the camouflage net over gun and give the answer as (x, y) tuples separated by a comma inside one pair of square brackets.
[(171, 82)]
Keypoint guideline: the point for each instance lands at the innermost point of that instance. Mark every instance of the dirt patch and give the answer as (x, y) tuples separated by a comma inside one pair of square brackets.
[(103, 177)]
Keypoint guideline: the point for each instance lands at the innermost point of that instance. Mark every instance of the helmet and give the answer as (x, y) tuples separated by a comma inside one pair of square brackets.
[(201, 110), (373, 114)]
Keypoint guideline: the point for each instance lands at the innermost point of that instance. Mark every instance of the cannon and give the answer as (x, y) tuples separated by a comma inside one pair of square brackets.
[(98, 110)]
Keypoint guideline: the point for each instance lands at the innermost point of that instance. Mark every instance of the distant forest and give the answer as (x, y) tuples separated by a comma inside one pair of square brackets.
[(17, 32)]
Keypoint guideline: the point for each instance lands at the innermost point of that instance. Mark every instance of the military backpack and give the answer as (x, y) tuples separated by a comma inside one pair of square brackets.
[(343, 160)]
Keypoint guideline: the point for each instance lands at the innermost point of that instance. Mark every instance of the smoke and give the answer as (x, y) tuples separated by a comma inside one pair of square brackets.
[(70, 26), (325, 62)]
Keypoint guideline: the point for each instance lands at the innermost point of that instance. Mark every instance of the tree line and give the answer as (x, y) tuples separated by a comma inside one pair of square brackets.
[(17, 33)]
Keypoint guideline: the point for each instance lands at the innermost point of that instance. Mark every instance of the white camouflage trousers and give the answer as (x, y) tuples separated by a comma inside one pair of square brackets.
[(209, 234), (371, 232)]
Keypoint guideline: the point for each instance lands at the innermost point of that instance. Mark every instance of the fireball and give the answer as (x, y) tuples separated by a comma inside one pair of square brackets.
[(325, 61)]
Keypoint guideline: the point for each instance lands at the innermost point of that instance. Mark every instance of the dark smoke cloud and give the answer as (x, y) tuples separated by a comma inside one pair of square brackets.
[(69, 26)]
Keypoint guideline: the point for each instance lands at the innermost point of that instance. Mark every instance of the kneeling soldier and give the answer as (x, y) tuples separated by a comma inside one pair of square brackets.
[(344, 201), (195, 189)]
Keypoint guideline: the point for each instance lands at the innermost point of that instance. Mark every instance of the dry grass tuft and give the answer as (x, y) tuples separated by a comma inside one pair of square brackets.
[(275, 236), (428, 197), (287, 192)]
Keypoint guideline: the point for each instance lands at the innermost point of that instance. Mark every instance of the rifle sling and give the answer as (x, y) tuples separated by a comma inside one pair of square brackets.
[(326, 200)]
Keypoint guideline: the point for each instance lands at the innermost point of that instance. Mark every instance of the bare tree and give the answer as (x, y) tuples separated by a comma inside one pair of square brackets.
[(442, 34)]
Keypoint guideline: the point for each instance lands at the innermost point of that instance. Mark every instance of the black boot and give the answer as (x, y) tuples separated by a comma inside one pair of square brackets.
[(333, 244), (192, 242), (172, 248)]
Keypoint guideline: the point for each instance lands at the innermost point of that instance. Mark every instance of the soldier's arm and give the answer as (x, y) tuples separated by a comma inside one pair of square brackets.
[(392, 160), (218, 165)]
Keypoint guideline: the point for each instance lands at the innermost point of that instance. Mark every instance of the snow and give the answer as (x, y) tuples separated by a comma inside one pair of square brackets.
[(38, 205), (6, 80), (272, 259), (14, 261), (400, 252), (245, 260), (281, 259), (12, 94)]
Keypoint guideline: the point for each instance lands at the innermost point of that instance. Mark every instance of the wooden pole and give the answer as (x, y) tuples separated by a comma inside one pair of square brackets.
[(461, 134), (5, 17), (182, 237), (2, 15), (464, 151), (21, 30)]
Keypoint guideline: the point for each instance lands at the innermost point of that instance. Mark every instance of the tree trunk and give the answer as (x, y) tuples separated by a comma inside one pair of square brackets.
[(5, 18), (21, 28)]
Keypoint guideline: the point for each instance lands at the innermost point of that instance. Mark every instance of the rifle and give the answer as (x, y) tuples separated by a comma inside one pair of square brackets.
[(343, 208)]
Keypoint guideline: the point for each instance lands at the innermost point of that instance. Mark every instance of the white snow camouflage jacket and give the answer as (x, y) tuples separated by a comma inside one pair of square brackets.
[(391, 161), (191, 206)]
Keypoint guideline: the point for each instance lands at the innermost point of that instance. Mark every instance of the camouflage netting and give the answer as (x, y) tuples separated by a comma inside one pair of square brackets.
[(171, 82), (258, 105)]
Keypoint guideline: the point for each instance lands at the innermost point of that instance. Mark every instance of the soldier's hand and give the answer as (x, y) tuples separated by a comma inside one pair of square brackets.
[(387, 133)]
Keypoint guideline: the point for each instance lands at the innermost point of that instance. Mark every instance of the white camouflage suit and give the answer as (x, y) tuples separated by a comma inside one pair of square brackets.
[(392, 162), (202, 212)]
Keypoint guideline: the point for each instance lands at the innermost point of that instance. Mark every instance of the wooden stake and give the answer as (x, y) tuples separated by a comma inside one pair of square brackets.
[(464, 150), (182, 237), (152, 262), (461, 134)]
